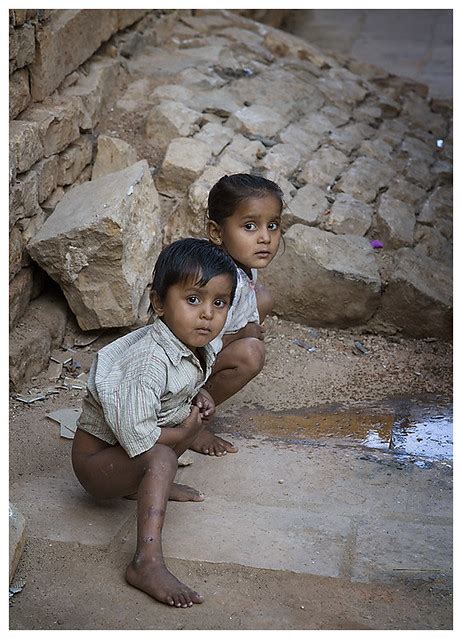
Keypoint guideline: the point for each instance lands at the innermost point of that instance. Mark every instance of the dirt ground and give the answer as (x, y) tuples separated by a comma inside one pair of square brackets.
[(63, 580)]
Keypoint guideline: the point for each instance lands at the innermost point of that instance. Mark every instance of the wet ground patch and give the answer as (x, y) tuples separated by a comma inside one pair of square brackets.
[(418, 428)]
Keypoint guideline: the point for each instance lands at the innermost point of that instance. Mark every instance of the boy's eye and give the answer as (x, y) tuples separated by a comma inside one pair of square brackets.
[(273, 226), (193, 299), (221, 303), (250, 226)]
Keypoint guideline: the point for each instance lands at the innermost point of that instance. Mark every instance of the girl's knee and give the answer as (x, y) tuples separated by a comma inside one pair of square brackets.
[(252, 354)]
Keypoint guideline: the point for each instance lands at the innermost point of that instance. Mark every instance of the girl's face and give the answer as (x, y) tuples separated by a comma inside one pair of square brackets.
[(252, 233), (195, 314)]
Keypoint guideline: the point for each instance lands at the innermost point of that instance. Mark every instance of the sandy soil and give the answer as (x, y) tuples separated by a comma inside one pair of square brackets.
[(62, 582)]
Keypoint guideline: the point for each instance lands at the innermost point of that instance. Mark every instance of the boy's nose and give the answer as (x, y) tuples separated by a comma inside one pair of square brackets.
[(207, 311)]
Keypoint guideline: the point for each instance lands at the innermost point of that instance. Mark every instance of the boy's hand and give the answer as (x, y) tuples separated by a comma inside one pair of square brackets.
[(204, 401), (193, 422)]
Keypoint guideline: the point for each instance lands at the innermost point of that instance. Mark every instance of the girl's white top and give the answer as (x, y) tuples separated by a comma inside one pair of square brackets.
[(243, 310)]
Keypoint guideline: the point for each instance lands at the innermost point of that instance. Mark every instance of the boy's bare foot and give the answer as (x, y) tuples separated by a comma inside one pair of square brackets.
[(158, 582), (178, 492), (209, 444)]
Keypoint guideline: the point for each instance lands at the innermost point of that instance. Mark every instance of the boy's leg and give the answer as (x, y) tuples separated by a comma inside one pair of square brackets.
[(107, 472)]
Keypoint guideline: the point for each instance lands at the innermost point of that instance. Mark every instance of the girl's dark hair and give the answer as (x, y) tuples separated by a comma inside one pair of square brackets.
[(226, 195), (191, 259)]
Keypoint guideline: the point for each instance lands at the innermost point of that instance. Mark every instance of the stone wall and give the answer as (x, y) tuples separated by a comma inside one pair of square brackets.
[(63, 69), (361, 155)]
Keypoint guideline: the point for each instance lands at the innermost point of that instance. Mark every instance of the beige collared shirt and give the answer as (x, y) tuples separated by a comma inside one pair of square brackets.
[(139, 383)]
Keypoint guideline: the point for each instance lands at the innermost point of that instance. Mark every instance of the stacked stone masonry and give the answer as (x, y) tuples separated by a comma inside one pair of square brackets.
[(360, 154)]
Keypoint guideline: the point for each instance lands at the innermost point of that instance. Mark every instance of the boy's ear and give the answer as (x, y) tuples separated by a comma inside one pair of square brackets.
[(156, 303), (214, 232)]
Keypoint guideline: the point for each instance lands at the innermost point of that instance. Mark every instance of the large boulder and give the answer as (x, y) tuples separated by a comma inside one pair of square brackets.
[(322, 279), (418, 297), (100, 245)]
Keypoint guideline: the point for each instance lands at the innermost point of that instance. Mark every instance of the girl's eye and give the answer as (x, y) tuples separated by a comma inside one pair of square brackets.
[(250, 226), (220, 303), (273, 226), (193, 299)]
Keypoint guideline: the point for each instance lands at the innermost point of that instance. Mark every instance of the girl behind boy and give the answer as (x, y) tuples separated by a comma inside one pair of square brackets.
[(245, 219), (144, 405)]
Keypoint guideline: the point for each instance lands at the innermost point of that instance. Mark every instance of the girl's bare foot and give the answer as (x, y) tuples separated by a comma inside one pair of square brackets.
[(153, 578), (178, 492), (209, 444)]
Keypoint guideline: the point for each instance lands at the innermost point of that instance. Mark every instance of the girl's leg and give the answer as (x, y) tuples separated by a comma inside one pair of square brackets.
[(107, 472), (236, 365)]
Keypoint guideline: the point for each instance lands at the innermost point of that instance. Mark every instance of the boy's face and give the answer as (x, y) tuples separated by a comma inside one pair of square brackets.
[(195, 314)]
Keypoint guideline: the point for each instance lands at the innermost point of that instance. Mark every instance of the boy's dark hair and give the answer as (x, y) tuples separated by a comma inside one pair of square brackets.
[(230, 190), (194, 259)]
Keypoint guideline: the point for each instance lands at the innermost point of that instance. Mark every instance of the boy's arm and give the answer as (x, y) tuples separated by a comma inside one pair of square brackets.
[(185, 433)]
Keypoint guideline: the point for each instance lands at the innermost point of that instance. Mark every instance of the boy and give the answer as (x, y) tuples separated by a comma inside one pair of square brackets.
[(144, 406)]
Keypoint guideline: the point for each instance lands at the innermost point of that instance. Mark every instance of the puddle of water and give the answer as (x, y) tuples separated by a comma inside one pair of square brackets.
[(406, 428)]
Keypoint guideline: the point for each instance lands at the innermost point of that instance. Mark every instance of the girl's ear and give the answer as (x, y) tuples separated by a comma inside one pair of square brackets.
[(214, 232), (156, 303)]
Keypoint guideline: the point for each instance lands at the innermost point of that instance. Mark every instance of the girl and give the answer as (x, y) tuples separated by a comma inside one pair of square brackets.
[(145, 404), (244, 219)]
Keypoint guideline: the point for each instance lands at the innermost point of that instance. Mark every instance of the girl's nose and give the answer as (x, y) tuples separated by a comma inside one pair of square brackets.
[(265, 237)]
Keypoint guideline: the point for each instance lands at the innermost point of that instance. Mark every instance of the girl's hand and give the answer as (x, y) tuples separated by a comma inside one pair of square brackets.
[(204, 401)]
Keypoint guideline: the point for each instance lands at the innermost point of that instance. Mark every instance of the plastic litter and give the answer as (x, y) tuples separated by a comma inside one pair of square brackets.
[(305, 345), (376, 244), (440, 143), (360, 348), (67, 418)]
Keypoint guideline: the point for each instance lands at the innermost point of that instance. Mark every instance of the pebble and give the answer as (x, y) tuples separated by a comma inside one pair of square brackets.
[(281, 481)]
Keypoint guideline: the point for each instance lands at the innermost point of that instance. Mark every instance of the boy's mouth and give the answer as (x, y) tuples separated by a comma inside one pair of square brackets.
[(263, 253), (203, 330)]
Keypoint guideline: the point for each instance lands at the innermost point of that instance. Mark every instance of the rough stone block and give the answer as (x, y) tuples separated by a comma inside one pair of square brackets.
[(377, 149), (348, 216), (19, 95), (185, 160), (307, 206), (169, 120), (126, 17), (216, 136), (432, 243), (74, 159), (17, 537), (349, 137), (61, 47), (285, 44), (30, 349), (303, 140), (437, 206), (322, 279), (25, 36), (94, 90), (418, 298), (24, 197), (395, 222), (198, 192), (20, 293), (326, 164), (405, 191), (47, 176), (257, 120), (283, 158), (364, 178), (245, 150), (112, 155), (58, 120), (100, 244), (25, 143)]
